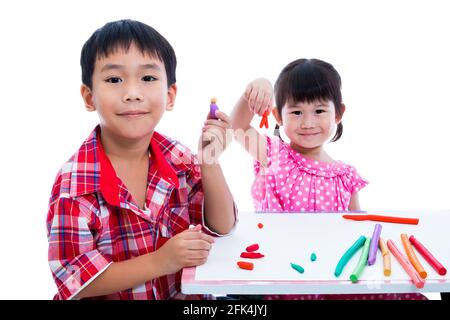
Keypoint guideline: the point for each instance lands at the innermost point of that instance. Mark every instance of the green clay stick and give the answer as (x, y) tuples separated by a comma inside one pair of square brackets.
[(348, 254), (297, 267), (362, 262)]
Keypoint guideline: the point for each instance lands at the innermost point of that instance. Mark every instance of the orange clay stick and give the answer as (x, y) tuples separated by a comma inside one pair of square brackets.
[(413, 274), (245, 265), (412, 256), (386, 258)]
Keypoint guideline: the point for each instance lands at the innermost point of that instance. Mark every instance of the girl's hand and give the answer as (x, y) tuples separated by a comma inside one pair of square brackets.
[(216, 136), (189, 248), (259, 95)]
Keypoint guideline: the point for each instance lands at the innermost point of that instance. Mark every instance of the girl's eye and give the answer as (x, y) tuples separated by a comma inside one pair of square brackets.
[(297, 113), (113, 80), (148, 78)]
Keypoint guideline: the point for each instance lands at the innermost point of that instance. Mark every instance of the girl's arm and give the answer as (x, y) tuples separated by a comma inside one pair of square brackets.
[(257, 98), (354, 203)]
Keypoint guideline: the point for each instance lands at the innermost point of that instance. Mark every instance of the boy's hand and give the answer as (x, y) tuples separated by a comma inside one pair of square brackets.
[(259, 95), (187, 249), (216, 136)]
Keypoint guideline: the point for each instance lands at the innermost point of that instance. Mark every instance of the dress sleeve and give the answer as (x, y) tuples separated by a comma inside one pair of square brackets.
[(356, 181), (73, 256)]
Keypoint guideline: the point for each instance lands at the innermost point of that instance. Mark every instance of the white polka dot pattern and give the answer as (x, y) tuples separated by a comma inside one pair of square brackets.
[(312, 185)]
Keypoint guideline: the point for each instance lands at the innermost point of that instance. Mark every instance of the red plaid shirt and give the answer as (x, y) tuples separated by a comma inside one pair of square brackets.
[(93, 222)]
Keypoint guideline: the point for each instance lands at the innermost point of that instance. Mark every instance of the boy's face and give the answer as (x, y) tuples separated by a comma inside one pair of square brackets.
[(130, 93)]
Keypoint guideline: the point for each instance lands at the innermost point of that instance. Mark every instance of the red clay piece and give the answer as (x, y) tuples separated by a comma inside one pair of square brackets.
[(252, 247), (245, 265), (251, 255)]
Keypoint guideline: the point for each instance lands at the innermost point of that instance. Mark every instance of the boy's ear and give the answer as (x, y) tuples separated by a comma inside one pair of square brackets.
[(339, 118), (277, 116), (86, 93), (171, 95)]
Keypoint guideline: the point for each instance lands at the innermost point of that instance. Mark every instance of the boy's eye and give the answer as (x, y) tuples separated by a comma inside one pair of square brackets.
[(297, 113), (319, 111), (114, 80), (148, 78)]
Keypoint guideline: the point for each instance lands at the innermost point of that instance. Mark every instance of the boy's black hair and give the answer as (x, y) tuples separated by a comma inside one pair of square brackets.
[(309, 80), (120, 35)]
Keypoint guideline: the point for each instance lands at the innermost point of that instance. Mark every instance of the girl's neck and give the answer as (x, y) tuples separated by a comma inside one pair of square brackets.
[(317, 153)]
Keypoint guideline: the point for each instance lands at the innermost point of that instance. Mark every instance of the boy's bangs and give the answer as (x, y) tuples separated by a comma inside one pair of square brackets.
[(123, 44)]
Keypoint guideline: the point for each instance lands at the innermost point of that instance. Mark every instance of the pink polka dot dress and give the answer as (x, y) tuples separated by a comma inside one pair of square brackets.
[(293, 183)]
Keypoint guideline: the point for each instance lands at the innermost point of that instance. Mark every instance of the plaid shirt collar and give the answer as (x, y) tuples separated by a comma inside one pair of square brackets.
[(108, 182)]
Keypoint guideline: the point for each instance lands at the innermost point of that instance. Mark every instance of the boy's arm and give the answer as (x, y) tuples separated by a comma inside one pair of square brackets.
[(256, 99), (80, 269), (186, 249), (219, 206), (123, 275)]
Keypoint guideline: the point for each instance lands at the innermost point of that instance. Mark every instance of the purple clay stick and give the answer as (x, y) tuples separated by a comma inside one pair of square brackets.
[(213, 108), (374, 245)]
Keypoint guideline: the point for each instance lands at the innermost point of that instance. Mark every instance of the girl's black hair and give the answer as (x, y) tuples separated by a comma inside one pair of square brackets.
[(120, 35), (309, 80)]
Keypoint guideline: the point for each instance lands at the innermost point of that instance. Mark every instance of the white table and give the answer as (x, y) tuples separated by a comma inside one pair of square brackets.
[(287, 238)]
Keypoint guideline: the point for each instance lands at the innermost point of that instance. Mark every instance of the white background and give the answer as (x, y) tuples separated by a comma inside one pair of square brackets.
[(393, 57)]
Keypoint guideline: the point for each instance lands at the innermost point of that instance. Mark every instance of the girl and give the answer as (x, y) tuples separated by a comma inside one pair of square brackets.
[(299, 175)]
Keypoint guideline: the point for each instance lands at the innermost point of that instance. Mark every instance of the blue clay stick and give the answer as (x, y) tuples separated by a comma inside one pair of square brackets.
[(348, 254)]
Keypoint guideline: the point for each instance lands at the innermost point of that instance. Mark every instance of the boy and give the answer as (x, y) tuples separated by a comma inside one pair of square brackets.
[(120, 209)]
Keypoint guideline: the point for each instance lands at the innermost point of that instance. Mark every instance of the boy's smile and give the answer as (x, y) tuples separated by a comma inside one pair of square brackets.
[(130, 94), (133, 114)]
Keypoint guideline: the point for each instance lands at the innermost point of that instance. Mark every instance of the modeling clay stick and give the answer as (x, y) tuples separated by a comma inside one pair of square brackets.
[(361, 263), (245, 265), (415, 277), (252, 255), (374, 245), (265, 120), (412, 256), (428, 256), (386, 258), (348, 254), (375, 217), (252, 247), (213, 108), (297, 267)]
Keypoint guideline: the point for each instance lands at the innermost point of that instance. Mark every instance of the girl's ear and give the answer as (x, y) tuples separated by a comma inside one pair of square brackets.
[(171, 95), (339, 117), (86, 94), (277, 116)]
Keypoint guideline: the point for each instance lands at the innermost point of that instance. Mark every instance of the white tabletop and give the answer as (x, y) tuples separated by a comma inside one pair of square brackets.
[(289, 237)]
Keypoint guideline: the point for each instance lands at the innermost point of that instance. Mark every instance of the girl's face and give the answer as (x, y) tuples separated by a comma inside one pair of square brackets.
[(309, 125)]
